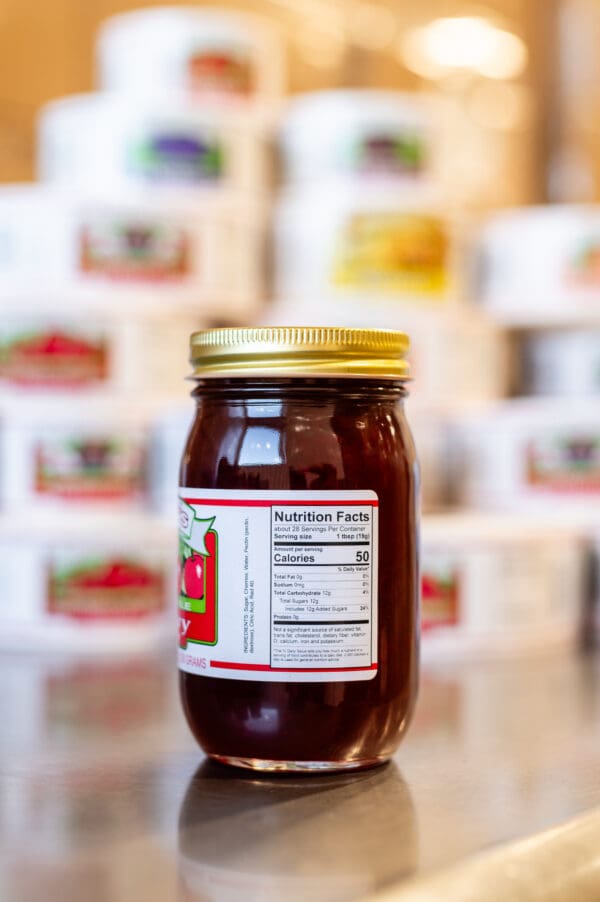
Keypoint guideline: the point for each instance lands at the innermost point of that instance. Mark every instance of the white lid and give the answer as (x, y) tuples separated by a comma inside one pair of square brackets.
[(176, 202), (204, 25), (558, 412), (466, 530), (341, 195), (98, 528), (351, 108), (74, 412), (78, 110), (543, 216)]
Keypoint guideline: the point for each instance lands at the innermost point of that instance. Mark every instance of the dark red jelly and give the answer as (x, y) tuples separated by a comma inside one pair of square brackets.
[(320, 435)]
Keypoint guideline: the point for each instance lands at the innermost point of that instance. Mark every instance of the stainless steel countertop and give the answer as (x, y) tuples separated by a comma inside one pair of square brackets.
[(104, 796)]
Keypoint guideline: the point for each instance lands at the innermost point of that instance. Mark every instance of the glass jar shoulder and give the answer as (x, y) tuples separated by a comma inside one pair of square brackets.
[(310, 440)]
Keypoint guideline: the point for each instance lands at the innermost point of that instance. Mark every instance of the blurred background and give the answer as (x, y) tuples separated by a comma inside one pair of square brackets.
[(426, 167), (432, 167)]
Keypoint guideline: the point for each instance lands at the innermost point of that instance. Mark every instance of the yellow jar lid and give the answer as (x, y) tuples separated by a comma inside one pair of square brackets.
[(299, 351)]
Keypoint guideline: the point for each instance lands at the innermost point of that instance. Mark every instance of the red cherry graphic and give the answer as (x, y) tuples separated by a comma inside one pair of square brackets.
[(193, 576), (429, 586)]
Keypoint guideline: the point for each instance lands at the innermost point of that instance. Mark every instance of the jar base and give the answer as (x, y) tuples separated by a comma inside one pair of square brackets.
[(269, 766)]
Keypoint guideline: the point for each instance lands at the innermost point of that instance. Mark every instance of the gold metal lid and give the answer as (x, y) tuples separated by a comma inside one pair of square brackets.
[(299, 351)]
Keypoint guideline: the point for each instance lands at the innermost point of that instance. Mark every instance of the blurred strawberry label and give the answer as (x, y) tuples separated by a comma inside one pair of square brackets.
[(395, 253), (90, 468), (566, 463), (439, 594), (103, 587), (53, 358), (213, 71), (197, 578), (133, 250), (177, 156)]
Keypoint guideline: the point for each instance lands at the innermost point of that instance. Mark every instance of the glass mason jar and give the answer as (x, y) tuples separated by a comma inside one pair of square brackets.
[(298, 580)]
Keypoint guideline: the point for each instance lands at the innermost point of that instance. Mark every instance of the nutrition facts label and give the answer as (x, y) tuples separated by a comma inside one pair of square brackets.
[(278, 586), (322, 586)]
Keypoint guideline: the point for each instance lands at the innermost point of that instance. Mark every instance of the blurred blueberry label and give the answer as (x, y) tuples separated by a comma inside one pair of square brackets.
[(177, 157)]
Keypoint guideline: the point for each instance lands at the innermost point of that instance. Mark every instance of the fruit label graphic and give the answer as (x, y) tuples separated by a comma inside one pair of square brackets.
[(134, 250), (198, 578), (213, 71), (89, 468), (565, 463), (103, 587), (389, 153), (395, 253), (53, 358), (177, 156), (439, 594), (583, 268)]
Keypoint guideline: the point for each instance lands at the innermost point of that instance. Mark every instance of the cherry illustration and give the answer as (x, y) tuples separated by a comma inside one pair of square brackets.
[(193, 576)]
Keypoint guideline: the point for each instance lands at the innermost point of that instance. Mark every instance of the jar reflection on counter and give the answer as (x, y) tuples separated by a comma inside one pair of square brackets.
[(263, 838), (298, 580)]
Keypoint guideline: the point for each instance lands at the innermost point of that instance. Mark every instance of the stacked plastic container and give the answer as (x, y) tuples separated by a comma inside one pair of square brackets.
[(148, 222), (525, 468), (364, 236), (538, 452)]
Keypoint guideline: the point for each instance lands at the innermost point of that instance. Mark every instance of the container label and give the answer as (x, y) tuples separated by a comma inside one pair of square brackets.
[(111, 587), (440, 592), (396, 253), (177, 156), (389, 153), (53, 358), (564, 463), (278, 586), (90, 468), (583, 267), (134, 250), (214, 71)]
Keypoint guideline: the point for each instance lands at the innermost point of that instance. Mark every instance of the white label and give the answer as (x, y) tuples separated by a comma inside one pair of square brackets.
[(278, 586)]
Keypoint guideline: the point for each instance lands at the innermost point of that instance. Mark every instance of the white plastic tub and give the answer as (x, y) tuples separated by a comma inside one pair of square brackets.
[(529, 455), (364, 243), (163, 142), (169, 435), (361, 134), (429, 429), (455, 354), (561, 363), (69, 352), (71, 455), (205, 53), (540, 264), (89, 585), (170, 249), (494, 585)]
